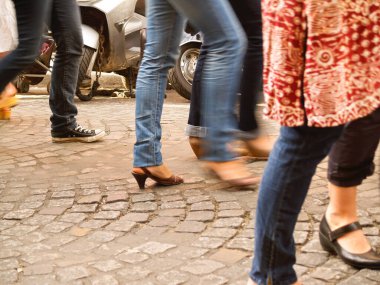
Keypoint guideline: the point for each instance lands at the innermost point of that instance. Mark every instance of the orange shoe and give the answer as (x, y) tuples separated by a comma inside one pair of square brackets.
[(5, 114), (7, 97)]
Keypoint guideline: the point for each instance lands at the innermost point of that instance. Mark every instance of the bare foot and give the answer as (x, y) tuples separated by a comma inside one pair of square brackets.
[(261, 146), (161, 171), (233, 172)]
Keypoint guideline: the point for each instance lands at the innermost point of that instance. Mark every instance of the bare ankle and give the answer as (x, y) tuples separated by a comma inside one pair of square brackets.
[(337, 219)]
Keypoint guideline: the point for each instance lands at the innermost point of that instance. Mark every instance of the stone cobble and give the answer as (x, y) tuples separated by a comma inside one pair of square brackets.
[(73, 214)]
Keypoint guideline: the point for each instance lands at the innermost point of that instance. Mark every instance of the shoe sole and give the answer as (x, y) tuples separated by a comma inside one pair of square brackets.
[(80, 139)]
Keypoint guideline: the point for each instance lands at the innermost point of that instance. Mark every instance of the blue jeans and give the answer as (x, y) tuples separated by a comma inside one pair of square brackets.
[(221, 73), (65, 24), (249, 15), (287, 176)]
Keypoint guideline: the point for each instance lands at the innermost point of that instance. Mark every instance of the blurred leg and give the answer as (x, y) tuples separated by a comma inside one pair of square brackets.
[(30, 18), (226, 45)]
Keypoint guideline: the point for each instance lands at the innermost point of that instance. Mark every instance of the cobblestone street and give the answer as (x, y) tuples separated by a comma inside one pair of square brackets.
[(73, 214)]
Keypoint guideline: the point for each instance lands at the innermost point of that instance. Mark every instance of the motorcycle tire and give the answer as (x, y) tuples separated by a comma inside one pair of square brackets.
[(83, 67), (23, 86), (181, 75)]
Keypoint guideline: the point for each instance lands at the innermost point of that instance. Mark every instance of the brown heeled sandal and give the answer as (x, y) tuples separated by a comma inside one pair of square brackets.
[(141, 178), (222, 173)]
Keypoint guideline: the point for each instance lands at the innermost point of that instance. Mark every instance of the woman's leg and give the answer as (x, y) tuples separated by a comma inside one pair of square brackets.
[(165, 27), (30, 18), (249, 14), (350, 162), (194, 128), (226, 44), (285, 183)]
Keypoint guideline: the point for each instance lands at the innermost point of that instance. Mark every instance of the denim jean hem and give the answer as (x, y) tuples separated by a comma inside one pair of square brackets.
[(274, 282), (196, 131), (62, 128), (147, 165)]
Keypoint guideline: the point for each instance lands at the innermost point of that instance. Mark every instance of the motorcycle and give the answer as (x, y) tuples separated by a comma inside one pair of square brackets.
[(181, 75), (113, 36)]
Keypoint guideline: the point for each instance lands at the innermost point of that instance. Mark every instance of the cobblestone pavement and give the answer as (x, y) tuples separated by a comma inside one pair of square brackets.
[(72, 213)]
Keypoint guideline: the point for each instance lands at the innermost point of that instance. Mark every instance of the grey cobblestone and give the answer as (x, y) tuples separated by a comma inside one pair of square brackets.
[(107, 215), (72, 273), (173, 205), (154, 247), (190, 227), (91, 208), (105, 279), (202, 206), (164, 222), (19, 214), (91, 224), (107, 265), (201, 267), (173, 277), (201, 216), (230, 213), (144, 207), (117, 206), (213, 279), (132, 256), (56, 227), (228, 222)]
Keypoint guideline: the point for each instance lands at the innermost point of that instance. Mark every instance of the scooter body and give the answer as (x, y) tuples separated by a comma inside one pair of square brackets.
[(112, 35)]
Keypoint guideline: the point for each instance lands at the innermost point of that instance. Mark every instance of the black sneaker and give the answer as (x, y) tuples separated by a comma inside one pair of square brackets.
[(77, 134)]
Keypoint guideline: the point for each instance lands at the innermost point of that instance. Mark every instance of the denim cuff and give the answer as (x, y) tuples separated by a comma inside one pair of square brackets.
[(196, 131)]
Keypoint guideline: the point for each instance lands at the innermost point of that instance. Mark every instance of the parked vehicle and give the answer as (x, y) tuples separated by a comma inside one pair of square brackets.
[(35, 73), (113, 35), (181, 75)]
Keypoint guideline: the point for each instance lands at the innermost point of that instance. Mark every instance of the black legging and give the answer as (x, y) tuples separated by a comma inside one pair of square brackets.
[(351, 157), (30, 17), (249, 14)]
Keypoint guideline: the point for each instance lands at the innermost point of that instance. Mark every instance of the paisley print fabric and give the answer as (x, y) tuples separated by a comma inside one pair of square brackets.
[(321, 60)]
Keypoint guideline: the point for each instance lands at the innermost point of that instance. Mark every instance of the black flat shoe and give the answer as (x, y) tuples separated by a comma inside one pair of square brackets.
[(328, 239)]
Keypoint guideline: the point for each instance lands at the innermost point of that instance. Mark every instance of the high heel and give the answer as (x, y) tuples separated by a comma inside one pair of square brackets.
[(328, 240), (141, 178)]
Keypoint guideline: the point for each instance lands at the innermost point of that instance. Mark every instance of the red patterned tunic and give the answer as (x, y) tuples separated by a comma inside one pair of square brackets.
[(322, 58)]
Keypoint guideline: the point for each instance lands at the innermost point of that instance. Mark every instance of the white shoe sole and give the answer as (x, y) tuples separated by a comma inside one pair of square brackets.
[(95, 138)]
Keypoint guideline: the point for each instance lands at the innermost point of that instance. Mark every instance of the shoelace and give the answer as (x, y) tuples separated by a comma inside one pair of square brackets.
[(80, 129)]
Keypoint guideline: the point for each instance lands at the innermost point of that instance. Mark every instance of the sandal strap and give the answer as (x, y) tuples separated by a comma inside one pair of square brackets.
[(334, 235)]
